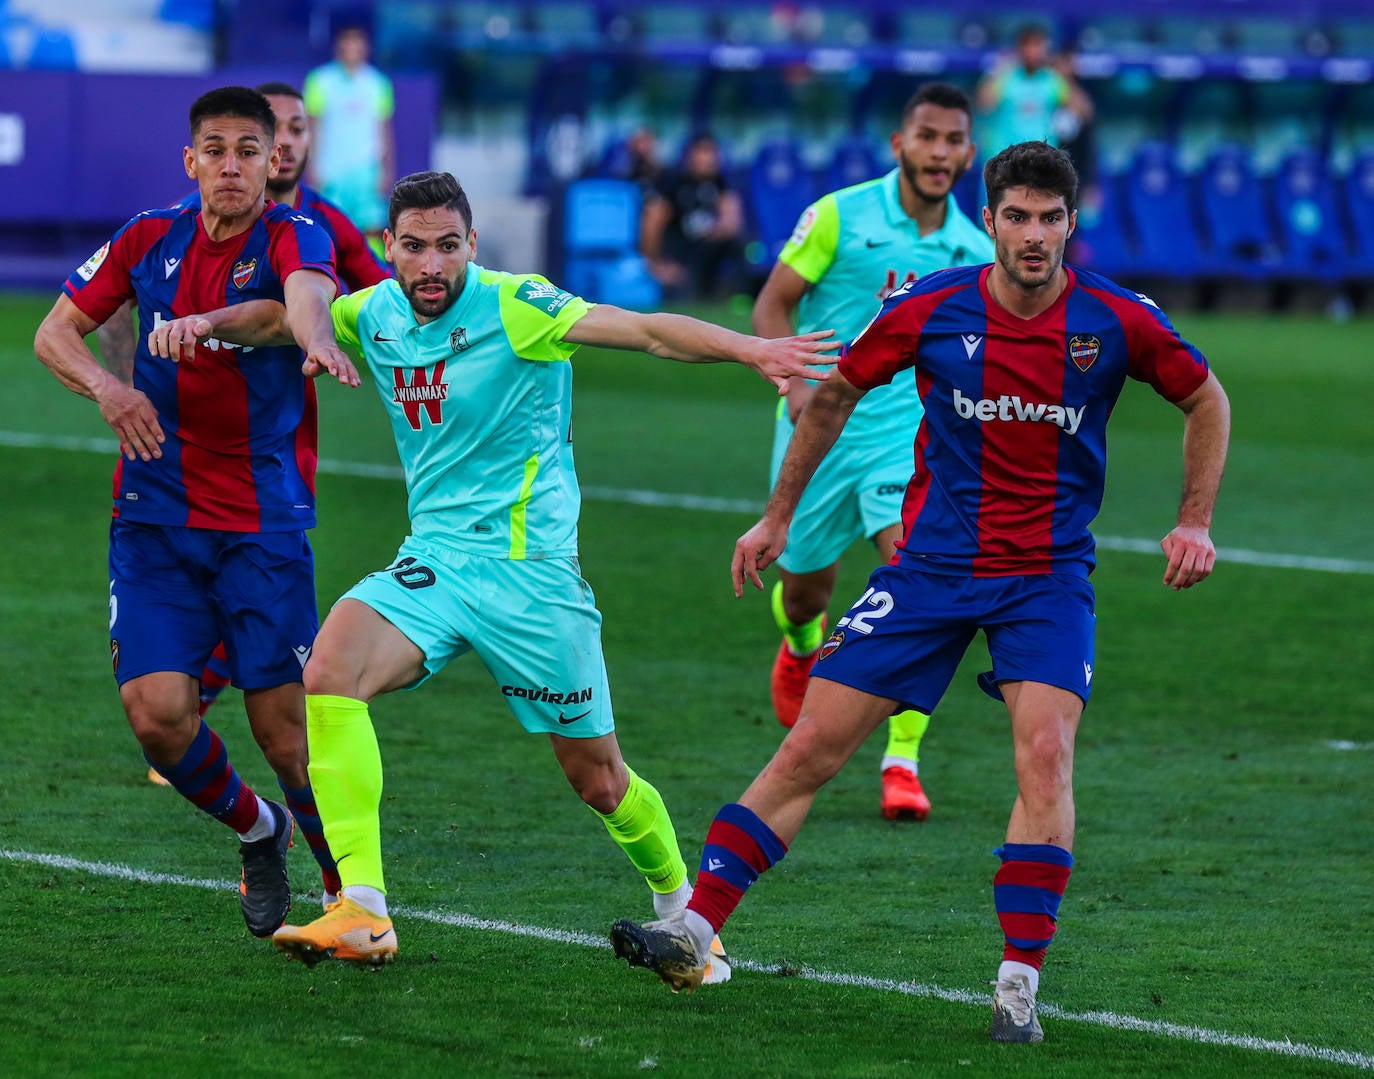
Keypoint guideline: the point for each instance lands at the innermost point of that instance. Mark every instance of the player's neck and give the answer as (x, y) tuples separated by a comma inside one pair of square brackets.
[(290, 197), (218, 229), (929, 214), (1025, 303)]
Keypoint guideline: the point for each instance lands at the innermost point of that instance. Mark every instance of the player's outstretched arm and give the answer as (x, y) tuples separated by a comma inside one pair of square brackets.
[(308, 295), (1206, 434), (256, 323), (60, 346), (820, 425), (680, 337), (774, 315), (117, 342)]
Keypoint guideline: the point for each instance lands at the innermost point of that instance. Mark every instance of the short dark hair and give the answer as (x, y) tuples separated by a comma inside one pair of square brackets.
[(1035, 165), (428, 191), (239, 101), (277, 89), (940, 94)]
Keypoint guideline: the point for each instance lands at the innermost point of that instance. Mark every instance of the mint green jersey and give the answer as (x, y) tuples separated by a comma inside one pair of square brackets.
[(1026, 104), (857, 245), (480, 403), (351, 106)]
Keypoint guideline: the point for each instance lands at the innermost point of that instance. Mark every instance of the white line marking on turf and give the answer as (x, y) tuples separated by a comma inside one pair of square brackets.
[(710, 504), (1342, 744), (1199, 1035)]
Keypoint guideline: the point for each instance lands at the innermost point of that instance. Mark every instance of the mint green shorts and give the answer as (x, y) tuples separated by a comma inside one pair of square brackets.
[(856, 493), (533, 623)]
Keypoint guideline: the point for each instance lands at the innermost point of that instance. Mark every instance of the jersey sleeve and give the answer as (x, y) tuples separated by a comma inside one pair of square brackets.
[(1159, 355), (882, 348), (811, 248), (315, 95), (386, 98), (358, 265), (301, 243), (101, 284), (345, 312), (536, 315)]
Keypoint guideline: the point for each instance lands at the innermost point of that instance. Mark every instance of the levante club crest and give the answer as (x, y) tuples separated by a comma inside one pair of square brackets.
[(243, 272), (1084, 349)]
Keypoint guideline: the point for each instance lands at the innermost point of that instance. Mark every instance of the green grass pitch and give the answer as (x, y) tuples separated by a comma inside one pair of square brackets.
[(1219, 921)]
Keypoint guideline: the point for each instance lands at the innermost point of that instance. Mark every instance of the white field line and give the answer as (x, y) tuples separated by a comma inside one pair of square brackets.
[(709, 504), (1199, 1035)]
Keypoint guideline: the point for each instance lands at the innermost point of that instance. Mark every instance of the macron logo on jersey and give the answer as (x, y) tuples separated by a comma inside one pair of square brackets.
[(1011, 408), (169, 267), (427, 391)]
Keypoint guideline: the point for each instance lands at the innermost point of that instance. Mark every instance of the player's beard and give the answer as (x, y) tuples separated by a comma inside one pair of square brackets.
[(1029, 281), (912, 172), (281, 184), (432, 308)]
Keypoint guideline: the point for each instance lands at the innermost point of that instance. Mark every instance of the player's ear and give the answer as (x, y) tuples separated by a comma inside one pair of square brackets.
[(274, 162), (188, 161), (1073, 222), (987, 222), (472, 243), (388, 240), (895, 141)]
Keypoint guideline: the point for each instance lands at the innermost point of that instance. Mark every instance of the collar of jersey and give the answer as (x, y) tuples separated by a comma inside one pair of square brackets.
[(407, 323), (897, 218)]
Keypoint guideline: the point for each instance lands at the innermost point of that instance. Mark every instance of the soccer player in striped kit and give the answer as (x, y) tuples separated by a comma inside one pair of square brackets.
[(215, 489), (1018, 365)]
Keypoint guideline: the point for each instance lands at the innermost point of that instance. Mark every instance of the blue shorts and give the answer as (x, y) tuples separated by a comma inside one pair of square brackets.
[(176, 592), (857, 492), (906, 635), (532, 622)]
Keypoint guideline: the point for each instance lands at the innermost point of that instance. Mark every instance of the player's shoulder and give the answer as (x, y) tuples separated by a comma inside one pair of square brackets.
[(1119, 297), (534, 289), (951, 279), (150, 225)]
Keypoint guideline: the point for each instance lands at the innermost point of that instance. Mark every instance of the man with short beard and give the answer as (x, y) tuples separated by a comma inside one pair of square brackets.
[(849, 251)]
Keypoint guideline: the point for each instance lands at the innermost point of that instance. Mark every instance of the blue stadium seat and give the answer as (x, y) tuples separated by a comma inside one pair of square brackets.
[(779, 188), (53, 50), (1359, 203), (1241, 240), (1100, 242), (1304, 202), (853, 160), (601, 244), (1160, 213)]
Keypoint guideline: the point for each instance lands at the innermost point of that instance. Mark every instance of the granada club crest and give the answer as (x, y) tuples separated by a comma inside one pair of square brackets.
[(458, 339), (1084, 349), (243, 272)]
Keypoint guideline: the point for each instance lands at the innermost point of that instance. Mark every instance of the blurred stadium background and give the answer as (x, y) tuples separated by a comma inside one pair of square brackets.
[(1233, 147)]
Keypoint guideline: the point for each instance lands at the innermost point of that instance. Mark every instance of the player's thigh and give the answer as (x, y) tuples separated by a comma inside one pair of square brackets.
[(827, 518), (417, 613), (1044, 630), (264, 590), (881, 490), (161, 616), (903, 638), (540, 637)]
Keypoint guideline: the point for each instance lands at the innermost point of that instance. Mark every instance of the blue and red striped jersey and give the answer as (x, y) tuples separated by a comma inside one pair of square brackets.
[(1010, 458), (240, 423), (358, 265)]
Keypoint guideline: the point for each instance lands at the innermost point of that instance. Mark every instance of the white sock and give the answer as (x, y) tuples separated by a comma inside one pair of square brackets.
[(899, 762), (372, 900), (666, 904), (264, 826), (1010, 967), (702, 931)]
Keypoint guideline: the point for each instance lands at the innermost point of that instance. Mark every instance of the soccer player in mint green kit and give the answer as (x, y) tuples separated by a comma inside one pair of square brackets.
[(848, 252), (472, 366)]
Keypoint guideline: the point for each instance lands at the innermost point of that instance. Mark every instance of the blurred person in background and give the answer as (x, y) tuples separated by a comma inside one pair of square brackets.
[(692, 226), (350, 104), (1027, 98), (848, 253)]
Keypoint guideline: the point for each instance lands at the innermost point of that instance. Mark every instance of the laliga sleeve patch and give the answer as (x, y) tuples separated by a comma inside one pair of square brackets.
[(87, 269), (803, 227)]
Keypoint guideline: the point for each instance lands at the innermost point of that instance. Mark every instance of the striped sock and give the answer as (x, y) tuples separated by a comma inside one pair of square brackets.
[(1027, 891), (206, 779), (301, 802), (739, 846), (215, 678)]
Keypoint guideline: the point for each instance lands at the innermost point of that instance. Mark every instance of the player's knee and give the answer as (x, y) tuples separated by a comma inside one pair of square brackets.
[(804, 760), (325, 674), (600, 787)]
